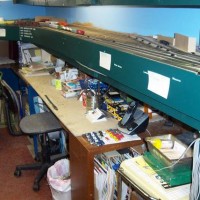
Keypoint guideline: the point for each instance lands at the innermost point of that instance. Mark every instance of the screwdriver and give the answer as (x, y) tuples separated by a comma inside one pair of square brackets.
[(54, 106)]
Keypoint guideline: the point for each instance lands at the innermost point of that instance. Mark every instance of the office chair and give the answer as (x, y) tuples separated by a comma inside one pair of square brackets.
[(41, 124), (12, 110)]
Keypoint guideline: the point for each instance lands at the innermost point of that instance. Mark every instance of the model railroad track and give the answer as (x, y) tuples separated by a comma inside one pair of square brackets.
[(141, 46)]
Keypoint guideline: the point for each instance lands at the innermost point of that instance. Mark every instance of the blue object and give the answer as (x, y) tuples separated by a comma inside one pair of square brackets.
[(31, 94), (93, 84), (116, 166)]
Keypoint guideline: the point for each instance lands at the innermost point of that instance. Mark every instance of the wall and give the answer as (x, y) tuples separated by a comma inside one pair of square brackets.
[(4, 52), (145, 21), (10, 11)]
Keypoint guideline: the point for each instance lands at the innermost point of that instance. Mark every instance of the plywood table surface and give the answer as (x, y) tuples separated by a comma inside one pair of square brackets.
[(71, 112)]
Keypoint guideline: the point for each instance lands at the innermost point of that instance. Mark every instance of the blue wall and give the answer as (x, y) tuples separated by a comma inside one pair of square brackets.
[(145, 21), (9, 11)]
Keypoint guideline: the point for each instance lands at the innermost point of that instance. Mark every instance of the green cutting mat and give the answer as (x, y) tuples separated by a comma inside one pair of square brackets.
[(178, 176)]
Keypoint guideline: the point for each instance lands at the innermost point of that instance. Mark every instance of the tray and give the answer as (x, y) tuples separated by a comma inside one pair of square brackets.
[(171, 151)]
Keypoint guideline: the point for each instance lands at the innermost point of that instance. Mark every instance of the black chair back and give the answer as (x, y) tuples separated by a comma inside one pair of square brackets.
[(12, 108)]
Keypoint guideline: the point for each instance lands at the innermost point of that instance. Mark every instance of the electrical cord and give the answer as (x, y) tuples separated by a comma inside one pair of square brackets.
[(182, 155), (195, 187), (148, 132)]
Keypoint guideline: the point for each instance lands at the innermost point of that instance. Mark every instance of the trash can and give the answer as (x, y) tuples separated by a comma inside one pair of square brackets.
[(59, 181)]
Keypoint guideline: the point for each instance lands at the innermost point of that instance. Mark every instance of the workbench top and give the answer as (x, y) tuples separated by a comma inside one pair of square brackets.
[(71, 112)]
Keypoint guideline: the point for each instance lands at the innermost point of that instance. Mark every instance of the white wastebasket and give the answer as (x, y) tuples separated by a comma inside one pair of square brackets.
[(59, 181)]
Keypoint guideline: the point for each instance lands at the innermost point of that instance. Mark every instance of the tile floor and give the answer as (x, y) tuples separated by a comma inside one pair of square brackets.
[(13, 151)]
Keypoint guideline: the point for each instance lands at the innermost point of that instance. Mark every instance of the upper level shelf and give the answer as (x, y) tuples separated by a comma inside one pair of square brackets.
[(60, 3), (152, 3), (167, 83), (143, 3)]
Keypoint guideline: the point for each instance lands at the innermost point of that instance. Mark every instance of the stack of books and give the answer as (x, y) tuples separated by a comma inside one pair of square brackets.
[(71, 89), (35, 69)]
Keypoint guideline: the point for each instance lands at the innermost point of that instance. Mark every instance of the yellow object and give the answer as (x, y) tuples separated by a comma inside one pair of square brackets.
[(9, 22), (157, 143), (58, 84)]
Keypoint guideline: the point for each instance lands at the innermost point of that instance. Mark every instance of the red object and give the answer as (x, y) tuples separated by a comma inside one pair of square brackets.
[(44, 20), (107, 138), (62, 23), (81, 32), (84, 99)]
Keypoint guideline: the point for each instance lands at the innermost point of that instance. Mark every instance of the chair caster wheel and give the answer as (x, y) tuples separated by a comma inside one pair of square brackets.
[(17, 173), (36, 187), (37, 159)]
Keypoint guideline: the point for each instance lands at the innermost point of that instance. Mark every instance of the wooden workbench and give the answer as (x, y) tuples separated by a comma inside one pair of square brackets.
[(71, 114), (70, 111)]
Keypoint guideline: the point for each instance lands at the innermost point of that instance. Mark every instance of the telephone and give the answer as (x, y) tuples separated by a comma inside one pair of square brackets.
[(134, 121)]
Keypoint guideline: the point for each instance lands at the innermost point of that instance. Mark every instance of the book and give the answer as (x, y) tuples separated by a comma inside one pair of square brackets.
[(35, 70)]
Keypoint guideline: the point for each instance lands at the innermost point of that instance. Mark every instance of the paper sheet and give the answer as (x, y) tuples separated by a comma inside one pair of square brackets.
[(2, 32), (159, 84), (105, 60)]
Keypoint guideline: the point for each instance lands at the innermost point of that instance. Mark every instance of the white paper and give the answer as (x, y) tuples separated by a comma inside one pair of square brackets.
[(105, 60), (158, 84), (104, 182), (95, 116), (2, 32)]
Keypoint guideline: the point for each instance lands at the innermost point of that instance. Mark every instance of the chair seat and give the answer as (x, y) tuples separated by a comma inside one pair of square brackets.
[(39, 123)]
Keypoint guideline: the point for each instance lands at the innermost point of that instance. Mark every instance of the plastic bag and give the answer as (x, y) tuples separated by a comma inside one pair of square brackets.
[(58, 179)]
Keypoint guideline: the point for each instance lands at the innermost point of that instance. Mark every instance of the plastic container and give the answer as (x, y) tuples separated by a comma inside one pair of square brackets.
[(91, 101), (59, 181)]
